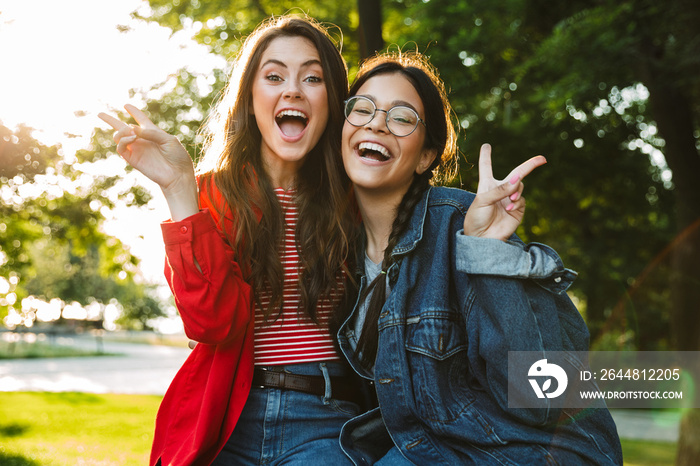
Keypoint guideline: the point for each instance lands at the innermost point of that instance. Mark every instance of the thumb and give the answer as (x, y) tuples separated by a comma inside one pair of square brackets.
[(500, 192)]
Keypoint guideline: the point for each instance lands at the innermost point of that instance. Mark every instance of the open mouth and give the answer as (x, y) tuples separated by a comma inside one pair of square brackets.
[(373, 151), (291, 122)]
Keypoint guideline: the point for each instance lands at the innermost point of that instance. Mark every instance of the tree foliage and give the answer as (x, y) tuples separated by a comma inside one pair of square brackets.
[(52, 245), (221, 24), (564, 80)]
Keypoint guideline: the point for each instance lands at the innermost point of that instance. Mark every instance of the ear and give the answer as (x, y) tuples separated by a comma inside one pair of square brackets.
[(426, 159)]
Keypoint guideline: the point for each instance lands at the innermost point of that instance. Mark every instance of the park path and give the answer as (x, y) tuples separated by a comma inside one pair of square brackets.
[(137, 369), (148, 369)]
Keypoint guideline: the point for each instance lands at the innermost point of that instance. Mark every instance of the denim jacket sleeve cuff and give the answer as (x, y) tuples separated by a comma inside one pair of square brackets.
[(536, 261)]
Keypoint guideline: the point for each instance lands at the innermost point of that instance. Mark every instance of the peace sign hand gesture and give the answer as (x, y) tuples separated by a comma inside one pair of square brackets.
[(499, 206), (160, 157)]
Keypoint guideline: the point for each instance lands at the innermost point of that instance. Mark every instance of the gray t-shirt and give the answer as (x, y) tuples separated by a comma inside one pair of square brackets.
[(371, 271)]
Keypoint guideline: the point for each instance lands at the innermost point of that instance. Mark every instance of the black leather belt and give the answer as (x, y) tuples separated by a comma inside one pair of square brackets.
[(342, 388)]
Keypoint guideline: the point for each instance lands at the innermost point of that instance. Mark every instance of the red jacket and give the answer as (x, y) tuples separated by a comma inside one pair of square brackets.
[(206, 397)]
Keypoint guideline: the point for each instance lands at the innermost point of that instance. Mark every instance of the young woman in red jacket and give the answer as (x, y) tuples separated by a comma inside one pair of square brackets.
[(256, 251)]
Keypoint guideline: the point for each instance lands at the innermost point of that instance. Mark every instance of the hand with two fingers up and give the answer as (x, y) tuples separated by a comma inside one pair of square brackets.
[(499, 205), (160, 157)]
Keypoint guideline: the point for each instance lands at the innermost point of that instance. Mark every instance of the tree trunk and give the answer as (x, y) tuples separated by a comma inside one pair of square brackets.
[(672, 112), (674, 118), (371, 41)]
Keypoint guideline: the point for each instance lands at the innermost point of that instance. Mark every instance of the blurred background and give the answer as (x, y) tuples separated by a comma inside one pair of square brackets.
[(607, 90)]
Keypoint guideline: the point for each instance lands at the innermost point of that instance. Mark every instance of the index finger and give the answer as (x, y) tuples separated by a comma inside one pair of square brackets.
[(111, 121), (140, 117), (526, 167)]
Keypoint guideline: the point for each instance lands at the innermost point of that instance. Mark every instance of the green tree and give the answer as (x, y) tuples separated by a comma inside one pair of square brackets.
[(223, 24), (658, 45), (51, 241), (599, 201), (21, 157)]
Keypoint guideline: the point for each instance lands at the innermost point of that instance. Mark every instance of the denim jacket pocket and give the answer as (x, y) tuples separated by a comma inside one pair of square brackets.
[(436, 348), (438, 335), (436, 345)]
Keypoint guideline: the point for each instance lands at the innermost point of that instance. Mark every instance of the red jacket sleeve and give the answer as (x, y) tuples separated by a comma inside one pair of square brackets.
[(213, 299)]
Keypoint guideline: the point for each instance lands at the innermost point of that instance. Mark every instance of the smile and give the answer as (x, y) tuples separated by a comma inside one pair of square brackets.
[(373, 151), (292, 123)]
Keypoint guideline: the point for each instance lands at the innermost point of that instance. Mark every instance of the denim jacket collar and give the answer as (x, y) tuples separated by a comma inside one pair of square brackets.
[(410, 238), (414, 232)]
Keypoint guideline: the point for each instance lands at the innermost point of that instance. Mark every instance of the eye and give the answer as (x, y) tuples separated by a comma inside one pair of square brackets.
[(362, 107), (403, 116), (273, 77), (314, 79), (363, 110), (401, 120)]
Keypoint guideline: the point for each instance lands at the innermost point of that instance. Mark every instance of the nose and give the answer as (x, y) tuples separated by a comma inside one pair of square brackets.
[(293, 90), (378, 122)]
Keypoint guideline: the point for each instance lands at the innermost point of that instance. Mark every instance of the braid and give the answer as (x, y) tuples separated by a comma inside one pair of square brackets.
[(369, 340)]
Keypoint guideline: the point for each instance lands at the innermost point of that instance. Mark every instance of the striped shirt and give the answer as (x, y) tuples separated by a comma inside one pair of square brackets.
[(292, 337)]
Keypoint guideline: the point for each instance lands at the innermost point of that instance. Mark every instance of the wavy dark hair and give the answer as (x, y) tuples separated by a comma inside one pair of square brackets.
[(252, 218), (441, 137)]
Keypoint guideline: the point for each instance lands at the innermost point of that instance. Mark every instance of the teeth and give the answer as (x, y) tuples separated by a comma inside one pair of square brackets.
[(375, 147), (291, 113)]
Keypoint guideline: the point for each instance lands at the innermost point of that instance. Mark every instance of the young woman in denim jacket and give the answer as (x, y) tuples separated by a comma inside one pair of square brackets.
[(446, 290)]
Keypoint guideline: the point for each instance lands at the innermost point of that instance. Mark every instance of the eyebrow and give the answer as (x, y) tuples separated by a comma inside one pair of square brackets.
[(395, 103), (273, 61)]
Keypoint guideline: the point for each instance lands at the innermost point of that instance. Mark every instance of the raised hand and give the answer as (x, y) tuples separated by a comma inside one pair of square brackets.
[(499, 205), (160, 157)]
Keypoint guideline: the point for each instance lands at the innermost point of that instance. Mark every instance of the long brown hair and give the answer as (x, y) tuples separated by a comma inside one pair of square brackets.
[(232, 160), (441, 137)]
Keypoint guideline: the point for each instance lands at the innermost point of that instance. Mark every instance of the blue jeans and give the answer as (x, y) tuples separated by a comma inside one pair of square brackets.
[(283, 427)]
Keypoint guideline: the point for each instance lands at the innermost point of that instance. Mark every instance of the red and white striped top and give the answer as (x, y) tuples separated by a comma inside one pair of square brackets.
[(293, 337)]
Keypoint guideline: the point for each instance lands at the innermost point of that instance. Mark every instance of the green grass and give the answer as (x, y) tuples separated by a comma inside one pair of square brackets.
[(24, 350), (647, 453), (147, 338), (67, 429)]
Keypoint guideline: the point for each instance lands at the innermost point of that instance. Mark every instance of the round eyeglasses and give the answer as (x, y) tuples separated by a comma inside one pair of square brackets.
[(400, 120)]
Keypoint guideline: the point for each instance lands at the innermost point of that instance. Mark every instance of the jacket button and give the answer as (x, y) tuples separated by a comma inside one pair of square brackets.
[(183, 230), (557, 280)]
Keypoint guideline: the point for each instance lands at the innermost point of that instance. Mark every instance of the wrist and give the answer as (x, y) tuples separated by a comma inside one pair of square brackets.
[(182, 199), (485, 234)]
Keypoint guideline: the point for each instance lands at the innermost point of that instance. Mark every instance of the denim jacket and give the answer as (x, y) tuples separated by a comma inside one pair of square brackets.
[(457, 305)]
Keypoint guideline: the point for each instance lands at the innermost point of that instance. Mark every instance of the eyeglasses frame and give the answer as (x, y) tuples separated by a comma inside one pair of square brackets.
[(386, 112)]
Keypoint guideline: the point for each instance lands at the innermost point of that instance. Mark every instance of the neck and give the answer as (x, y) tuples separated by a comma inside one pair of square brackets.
[(378, 214), (283, 178), (282, 173)]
